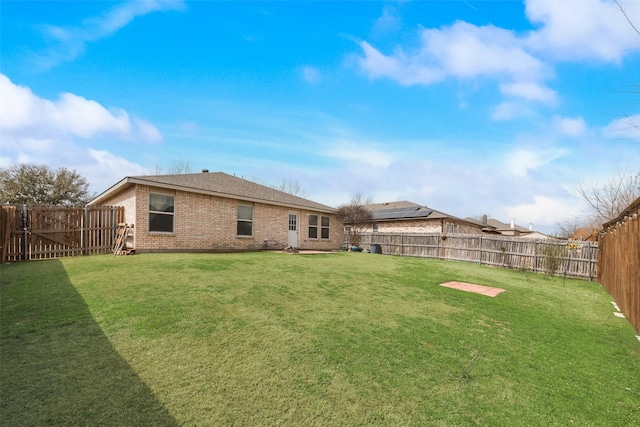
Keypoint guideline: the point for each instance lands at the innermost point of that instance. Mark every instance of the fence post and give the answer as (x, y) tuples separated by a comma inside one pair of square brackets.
[(25, 229), (85, 232), (535, 256), (590, 260)]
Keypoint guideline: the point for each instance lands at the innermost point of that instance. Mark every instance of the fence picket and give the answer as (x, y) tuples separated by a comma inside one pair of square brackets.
[(40, 232), (619, 261)]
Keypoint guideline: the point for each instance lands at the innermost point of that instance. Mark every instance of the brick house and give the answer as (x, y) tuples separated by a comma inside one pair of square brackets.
[(408, 217), (219, 212)]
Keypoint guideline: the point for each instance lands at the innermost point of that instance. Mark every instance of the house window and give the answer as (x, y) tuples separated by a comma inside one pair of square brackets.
[(245, 220), (453, 228), (313, 226), (161, 213), (375, 228), (324, 230)]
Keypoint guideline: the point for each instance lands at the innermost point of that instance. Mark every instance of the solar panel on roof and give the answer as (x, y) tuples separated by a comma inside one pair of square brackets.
[(402, 213)]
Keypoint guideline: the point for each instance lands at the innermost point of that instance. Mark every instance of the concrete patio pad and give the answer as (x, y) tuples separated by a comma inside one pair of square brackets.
[(476, 289)]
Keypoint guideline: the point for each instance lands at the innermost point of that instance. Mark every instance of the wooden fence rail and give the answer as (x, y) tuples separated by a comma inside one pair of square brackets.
[(619, 261), (548, 256), (40, 232)]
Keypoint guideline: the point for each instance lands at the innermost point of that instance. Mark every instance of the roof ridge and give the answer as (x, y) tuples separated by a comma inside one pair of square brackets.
[(224, 185)]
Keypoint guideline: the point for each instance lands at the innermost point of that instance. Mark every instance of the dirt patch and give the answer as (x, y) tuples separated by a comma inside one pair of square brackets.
[(289, 250), (476, 289)]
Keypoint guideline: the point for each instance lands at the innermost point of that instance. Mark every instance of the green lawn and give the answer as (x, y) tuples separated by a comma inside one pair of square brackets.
[(338, 339)]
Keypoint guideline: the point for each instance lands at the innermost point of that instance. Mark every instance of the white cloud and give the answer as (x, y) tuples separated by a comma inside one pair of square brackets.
[(467, 52), (544, 212), (520, 161), (508, 110), (76, 115), (388, 22), (69, 42), (375, 158), (529, 91), (145, 131), (520, 63), (24, 115), (405, 70), (311, 74), (570, 127), (103, 169), (56, 133), (626, 127), (576, 30)]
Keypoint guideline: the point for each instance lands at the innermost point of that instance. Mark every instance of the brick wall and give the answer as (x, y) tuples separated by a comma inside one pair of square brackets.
[(425, 226), (410, 226), (127, 199), (209, 223)]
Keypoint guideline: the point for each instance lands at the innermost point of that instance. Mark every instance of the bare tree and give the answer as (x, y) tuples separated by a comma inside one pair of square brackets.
[(627, 17), (290, 186), (176, 167), (356, 217), (609, 199), (581, 228), (567, 228), (286, 185)]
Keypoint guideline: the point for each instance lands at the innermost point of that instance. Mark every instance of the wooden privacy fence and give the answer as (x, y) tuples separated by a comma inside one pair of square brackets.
[(575, 259), (40, 232), (619, 261)]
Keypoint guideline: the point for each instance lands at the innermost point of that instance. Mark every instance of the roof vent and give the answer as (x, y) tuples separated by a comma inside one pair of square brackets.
[(205, 170)]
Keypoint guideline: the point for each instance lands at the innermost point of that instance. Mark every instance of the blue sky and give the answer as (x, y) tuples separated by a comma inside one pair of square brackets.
[(469, 107)]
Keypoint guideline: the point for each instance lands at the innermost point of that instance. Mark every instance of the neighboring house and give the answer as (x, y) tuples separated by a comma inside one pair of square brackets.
[(586, 234), (219, 212), (493, 226), (408, 217)]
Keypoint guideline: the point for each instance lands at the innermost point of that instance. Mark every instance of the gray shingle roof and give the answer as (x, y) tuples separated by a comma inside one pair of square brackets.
[(501, 226), (219, 184), (407, 210)]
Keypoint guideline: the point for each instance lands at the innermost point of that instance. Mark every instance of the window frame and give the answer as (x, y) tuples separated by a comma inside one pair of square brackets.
[(244, 220), (171, 214), (324, 227), (313, 227), (452, 228)]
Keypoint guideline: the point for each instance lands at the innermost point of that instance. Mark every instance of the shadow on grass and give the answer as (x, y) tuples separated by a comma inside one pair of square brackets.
[(57, 366)]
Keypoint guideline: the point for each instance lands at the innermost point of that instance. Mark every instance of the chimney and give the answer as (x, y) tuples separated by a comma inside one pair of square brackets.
[(513, 223), (530, 227), (205, 170), (484, 220)]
